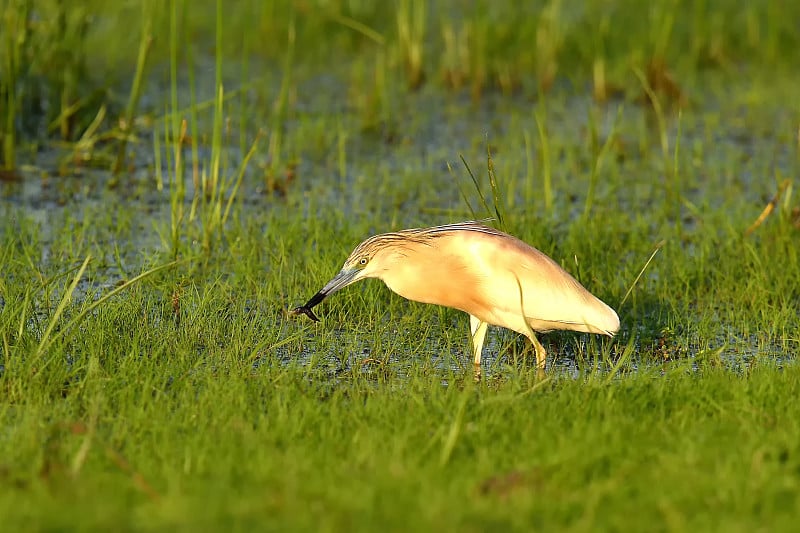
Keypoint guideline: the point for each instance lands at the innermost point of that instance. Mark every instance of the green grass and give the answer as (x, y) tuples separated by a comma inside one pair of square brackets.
[(161, 384), (187, 445), (236, 415)]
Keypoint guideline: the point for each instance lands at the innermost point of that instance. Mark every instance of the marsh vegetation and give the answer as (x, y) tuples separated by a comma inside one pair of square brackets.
[(175, 177)]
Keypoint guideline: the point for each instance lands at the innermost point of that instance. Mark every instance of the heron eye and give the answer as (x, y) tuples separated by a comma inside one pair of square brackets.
[(363, 261)]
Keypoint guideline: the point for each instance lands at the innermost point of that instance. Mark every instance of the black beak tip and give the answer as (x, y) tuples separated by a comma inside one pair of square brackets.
[(305, 310)]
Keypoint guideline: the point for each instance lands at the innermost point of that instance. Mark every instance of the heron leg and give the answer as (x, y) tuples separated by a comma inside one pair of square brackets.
[(541, 354), (478, 329)]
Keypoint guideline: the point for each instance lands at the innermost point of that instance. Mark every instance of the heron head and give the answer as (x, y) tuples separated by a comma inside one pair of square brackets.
[(368, 260)]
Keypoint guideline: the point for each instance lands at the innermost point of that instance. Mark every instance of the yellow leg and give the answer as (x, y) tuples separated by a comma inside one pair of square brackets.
[(478, 329), (541, 354)]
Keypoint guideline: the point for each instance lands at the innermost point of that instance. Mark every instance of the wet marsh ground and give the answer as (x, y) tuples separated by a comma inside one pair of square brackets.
[(154, 233)]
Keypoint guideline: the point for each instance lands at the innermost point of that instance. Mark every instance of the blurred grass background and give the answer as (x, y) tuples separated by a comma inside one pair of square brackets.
[(62, 62)]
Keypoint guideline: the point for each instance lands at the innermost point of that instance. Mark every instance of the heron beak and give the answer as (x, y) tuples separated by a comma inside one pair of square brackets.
[(345, 277)]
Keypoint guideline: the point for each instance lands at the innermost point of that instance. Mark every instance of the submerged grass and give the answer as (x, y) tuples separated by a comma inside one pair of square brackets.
[(139, 392)]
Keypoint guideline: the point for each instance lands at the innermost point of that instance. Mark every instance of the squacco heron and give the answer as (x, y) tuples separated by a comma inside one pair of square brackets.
[(494, 277)]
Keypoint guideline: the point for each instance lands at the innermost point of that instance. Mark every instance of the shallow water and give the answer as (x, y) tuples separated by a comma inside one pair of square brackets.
[(400, 166)]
